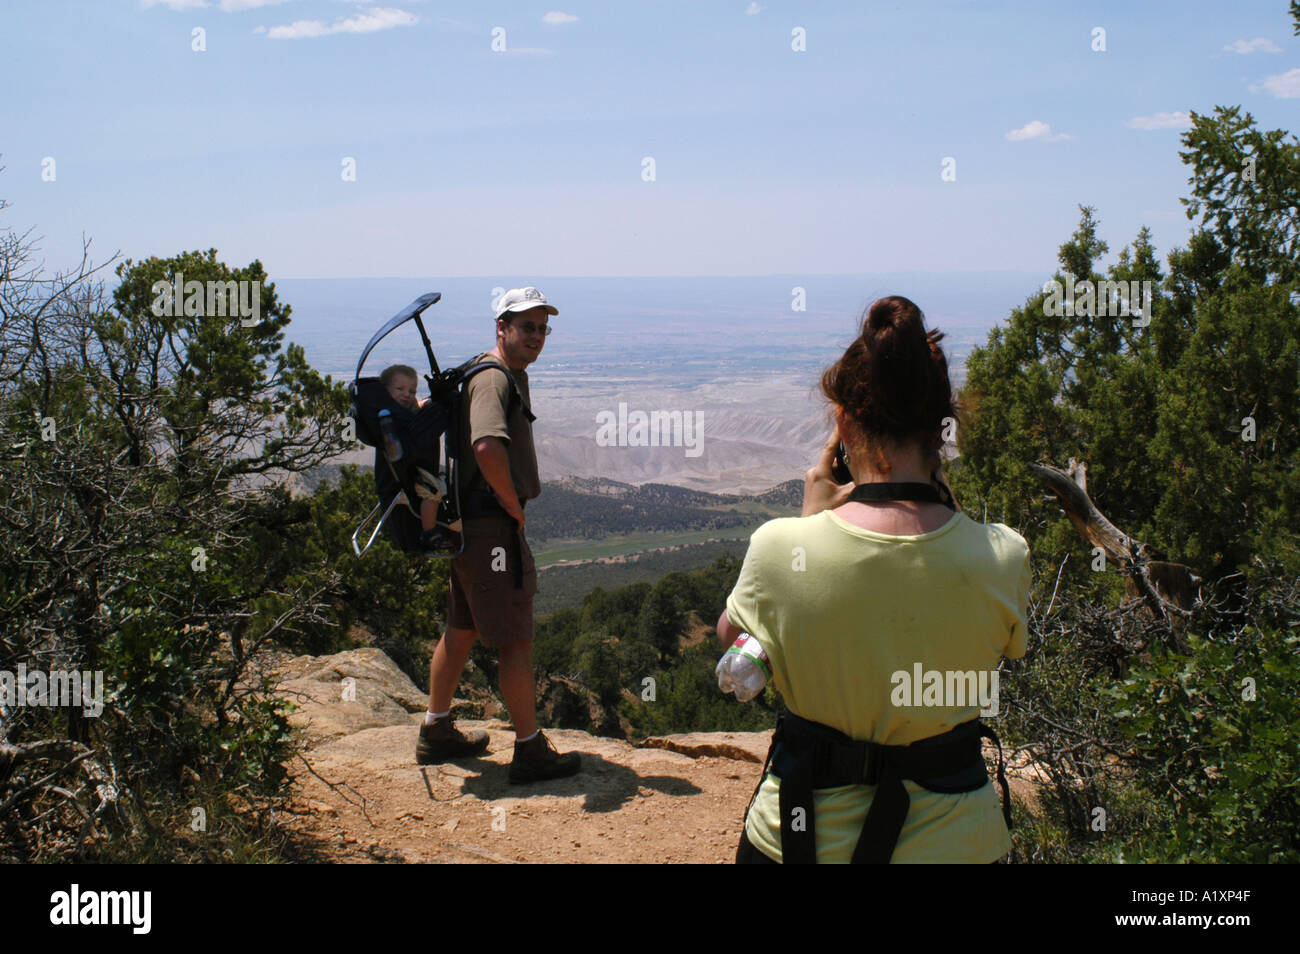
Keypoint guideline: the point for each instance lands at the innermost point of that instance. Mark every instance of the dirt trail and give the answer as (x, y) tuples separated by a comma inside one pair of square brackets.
[(627, 805), (362, 797), (365, 799)]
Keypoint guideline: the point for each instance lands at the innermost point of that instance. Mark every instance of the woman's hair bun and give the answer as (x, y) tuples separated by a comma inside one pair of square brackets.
[(893, 380), (880, 316)]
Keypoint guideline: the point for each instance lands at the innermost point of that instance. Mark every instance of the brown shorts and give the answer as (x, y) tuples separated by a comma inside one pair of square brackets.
[(483, 592)]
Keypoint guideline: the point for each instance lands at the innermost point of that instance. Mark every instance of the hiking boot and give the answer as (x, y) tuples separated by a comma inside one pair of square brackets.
[(441, 741), (536, 761)]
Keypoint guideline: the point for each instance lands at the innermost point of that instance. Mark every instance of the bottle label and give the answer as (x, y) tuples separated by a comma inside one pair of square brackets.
[(749, 647)]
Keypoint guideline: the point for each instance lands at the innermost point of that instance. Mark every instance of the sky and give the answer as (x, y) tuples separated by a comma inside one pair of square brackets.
[(615, 138)]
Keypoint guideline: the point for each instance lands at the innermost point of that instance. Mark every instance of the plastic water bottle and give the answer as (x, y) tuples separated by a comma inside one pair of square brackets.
[(743, 668), (392, 446)]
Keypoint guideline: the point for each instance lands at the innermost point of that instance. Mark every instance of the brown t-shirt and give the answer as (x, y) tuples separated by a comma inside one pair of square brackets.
[(487, 399)]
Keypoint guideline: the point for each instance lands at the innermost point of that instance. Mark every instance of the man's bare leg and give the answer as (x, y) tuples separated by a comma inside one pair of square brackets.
[(440, 740), (446, 666), (518, 687)]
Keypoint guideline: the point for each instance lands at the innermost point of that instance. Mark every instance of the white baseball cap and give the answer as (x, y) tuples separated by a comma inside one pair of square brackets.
[(522, 299)]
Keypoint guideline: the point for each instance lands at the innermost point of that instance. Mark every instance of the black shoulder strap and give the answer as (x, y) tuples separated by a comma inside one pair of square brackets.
[(927, 493), (515, 396)]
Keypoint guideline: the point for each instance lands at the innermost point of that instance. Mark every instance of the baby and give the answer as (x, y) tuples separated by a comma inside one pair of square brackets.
[(402, 384)]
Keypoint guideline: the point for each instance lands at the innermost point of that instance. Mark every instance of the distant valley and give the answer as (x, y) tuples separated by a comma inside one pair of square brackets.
[(730, 352), (728, 358)]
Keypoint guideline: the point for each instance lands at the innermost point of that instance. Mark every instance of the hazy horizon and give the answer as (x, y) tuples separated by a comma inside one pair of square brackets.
[(727, 352)]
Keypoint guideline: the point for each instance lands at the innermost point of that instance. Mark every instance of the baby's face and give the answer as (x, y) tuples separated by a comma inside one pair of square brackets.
[(402, 389)]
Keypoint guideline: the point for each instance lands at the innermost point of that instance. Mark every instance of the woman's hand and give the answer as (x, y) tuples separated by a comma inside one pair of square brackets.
[(515, 511), (820, 490)]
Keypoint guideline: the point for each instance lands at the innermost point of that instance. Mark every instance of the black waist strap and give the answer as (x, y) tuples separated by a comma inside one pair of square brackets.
[(807, 756), (484, 503)]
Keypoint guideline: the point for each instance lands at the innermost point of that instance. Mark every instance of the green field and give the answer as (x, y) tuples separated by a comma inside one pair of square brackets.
[(554, 551)]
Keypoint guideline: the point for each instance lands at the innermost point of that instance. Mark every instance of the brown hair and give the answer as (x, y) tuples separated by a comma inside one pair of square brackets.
[(892, 381), (393, 370)]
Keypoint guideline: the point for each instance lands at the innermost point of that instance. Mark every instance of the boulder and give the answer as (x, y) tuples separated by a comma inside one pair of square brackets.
[(347, 692)]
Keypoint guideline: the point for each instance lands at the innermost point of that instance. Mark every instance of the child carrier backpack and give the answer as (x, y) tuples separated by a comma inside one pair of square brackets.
[(416, 452)]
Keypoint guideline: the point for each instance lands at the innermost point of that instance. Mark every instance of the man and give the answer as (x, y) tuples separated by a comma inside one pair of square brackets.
[(494, 580)]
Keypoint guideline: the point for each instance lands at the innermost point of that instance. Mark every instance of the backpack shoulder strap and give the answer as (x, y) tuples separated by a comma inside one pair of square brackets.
[(515, 396)]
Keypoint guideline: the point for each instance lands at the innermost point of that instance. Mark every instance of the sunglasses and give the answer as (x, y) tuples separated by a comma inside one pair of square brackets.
[(529, 328)]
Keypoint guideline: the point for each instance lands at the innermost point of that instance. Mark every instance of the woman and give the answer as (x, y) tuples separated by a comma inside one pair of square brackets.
[(848, 599)]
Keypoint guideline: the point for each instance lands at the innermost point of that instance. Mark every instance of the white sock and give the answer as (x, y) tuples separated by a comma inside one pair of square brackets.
[(528, 738), (430, 716)]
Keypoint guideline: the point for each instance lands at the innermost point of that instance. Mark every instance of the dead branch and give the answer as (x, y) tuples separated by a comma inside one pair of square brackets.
[(1133, 556)]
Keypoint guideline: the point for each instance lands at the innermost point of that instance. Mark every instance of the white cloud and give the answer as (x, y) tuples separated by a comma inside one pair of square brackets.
[(379, 18), (173, 4), (1035, 130), (556, 17), (295, 31), (1283, 85), (753, 9), (1257, 45), (1175, 120)]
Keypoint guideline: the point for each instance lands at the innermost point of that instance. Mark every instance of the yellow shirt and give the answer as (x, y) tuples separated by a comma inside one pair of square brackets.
[(840, 611)]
